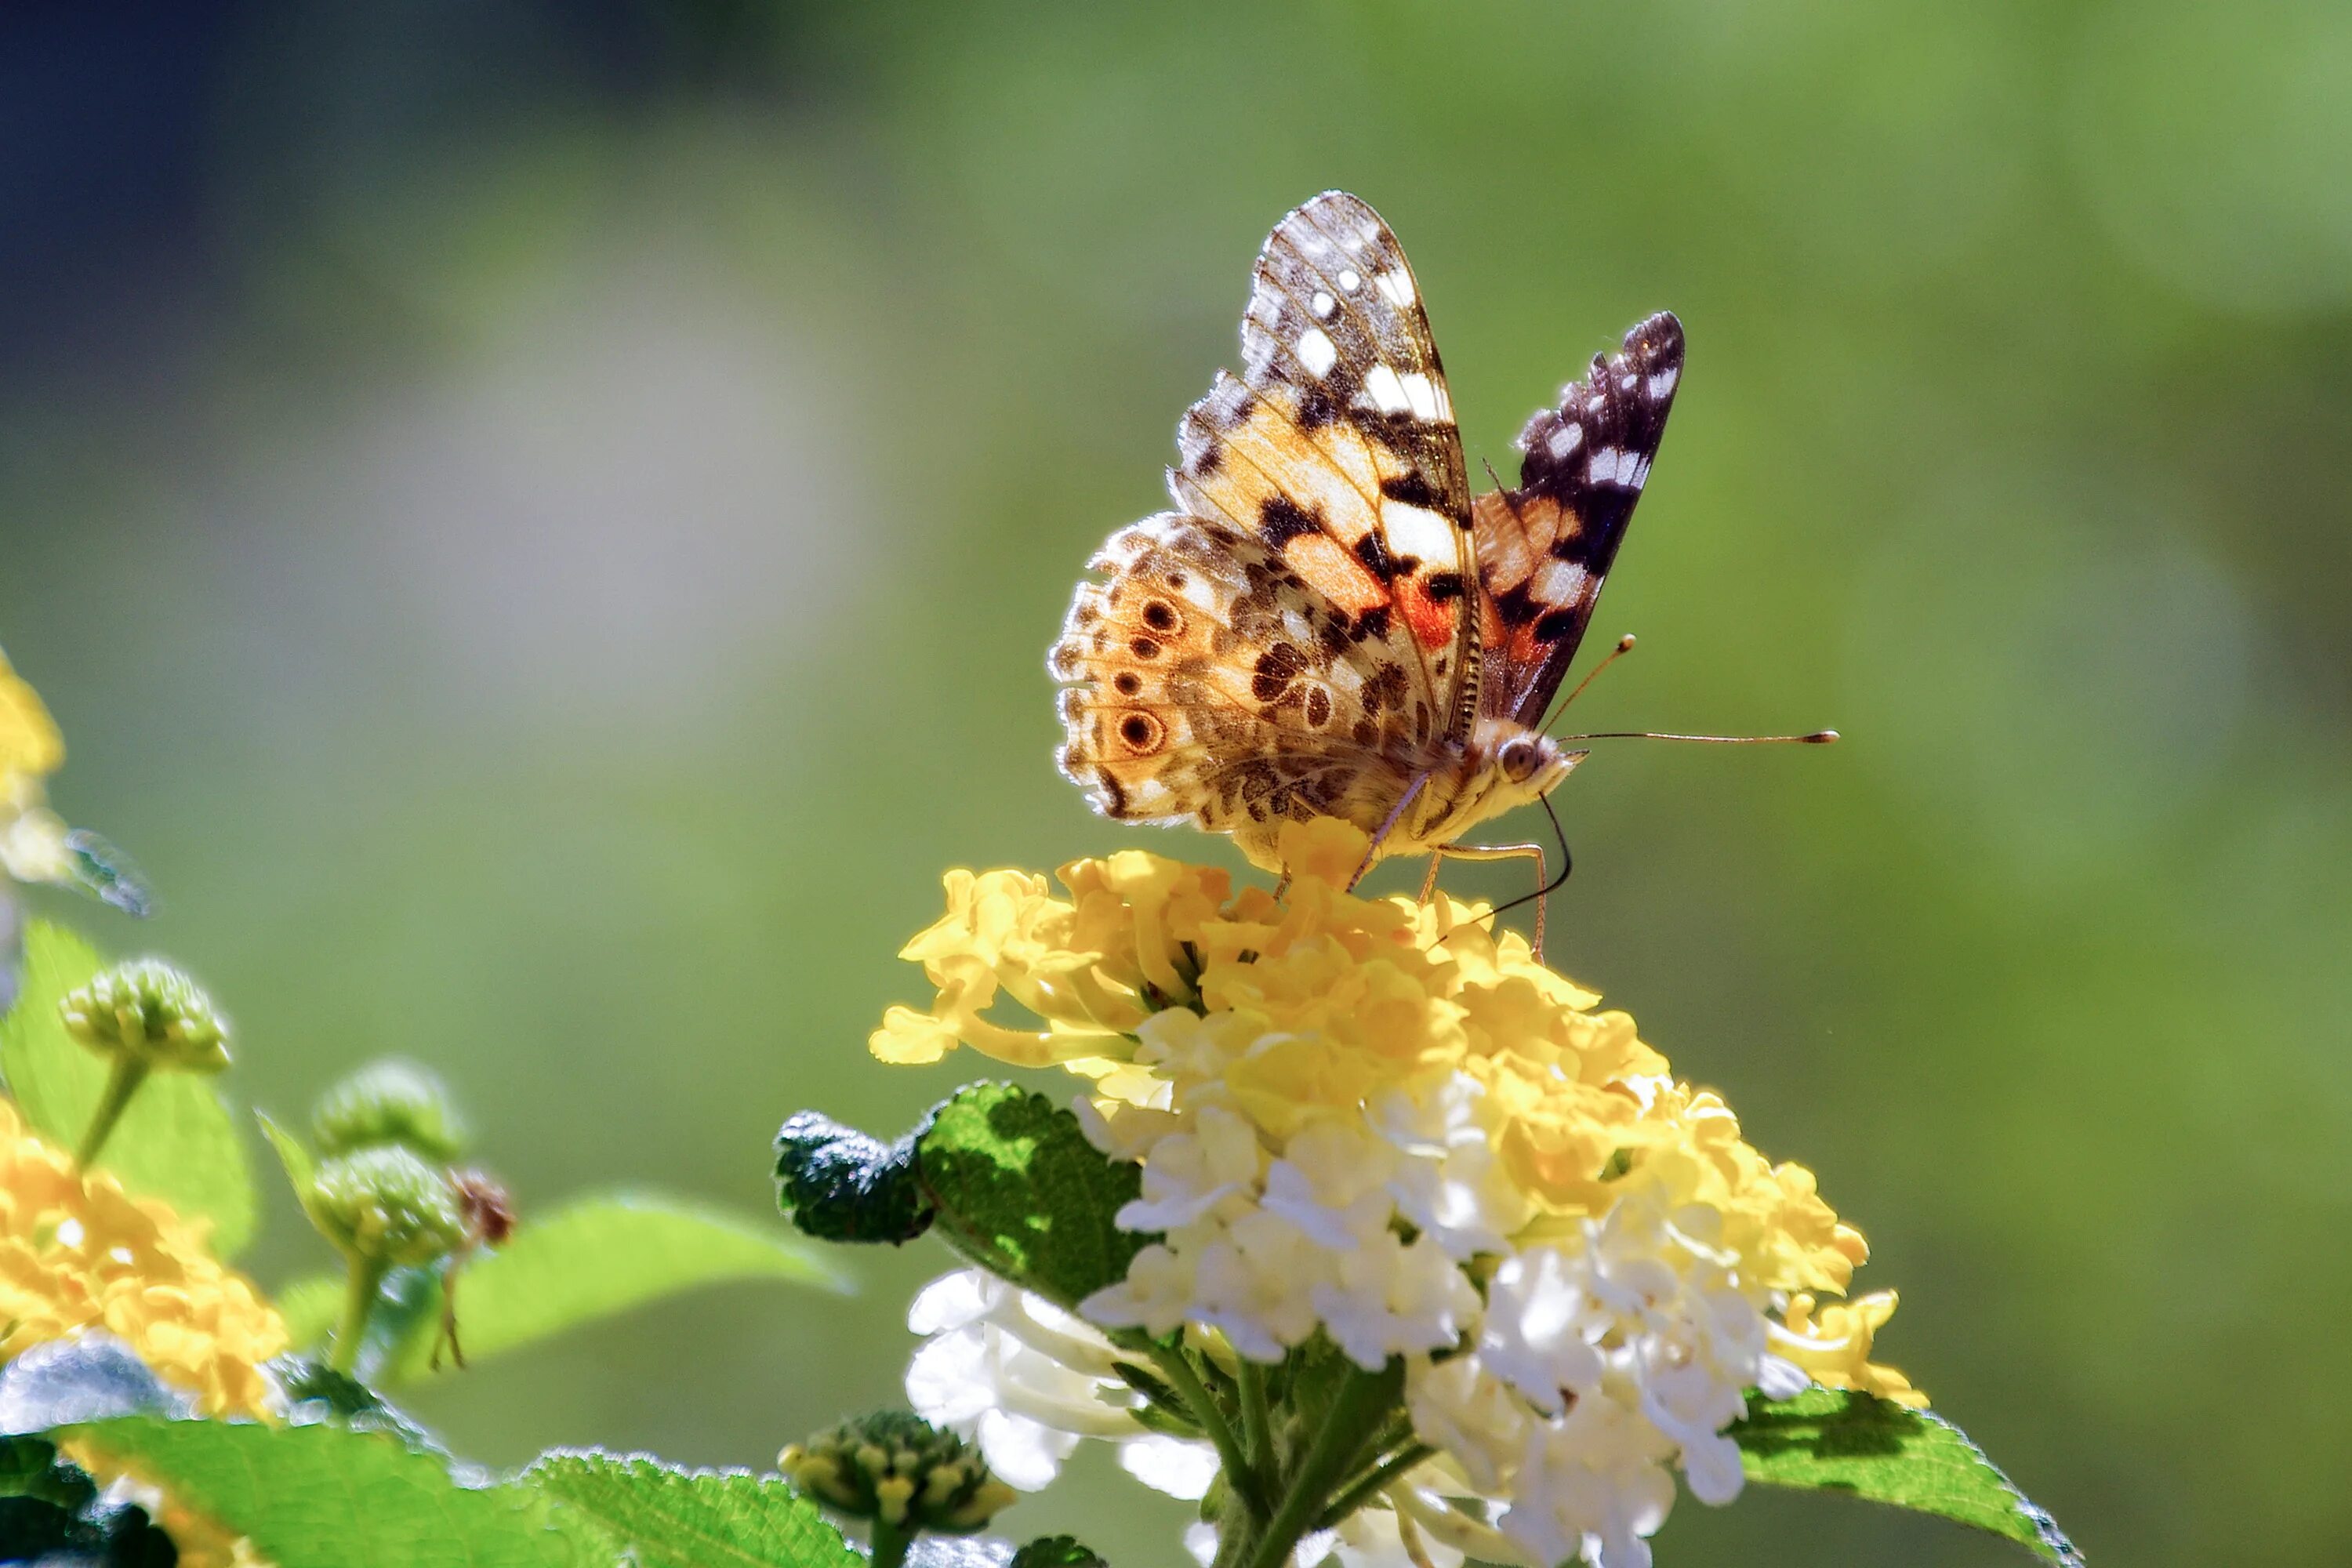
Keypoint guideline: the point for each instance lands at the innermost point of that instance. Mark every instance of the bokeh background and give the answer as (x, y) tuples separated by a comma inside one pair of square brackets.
[(542, 524)]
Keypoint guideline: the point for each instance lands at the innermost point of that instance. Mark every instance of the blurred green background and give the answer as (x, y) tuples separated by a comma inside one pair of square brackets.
[(542, 524)]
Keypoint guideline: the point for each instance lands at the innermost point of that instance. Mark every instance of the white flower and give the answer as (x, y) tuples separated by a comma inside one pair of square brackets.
[(1537, 1323), (1450, 1186), (1465, 1412), (1592, 1481), (1025, 1405), (1390, 1299), (1257, 1280), (1190, 1174), (1329, 1183), (1171, 1465)]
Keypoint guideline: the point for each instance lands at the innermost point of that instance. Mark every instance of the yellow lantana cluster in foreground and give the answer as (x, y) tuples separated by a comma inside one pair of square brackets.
[(1343, 998), (77, 1253)]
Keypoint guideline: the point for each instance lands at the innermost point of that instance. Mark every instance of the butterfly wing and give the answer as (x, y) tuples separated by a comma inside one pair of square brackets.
[(1544, 548), (1212, 683), (1337, 450)]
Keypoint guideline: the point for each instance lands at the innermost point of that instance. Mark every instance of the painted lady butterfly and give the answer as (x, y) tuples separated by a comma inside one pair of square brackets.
[(1329, 625)]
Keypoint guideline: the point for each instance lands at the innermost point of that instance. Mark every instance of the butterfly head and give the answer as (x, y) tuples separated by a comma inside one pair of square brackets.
[(1521, 765)]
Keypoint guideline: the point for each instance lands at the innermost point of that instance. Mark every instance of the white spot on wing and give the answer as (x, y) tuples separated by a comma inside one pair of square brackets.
[(1563, 441), (1428, 402), (1559, 583), (1626, 385), (1324, 305), (1417, 532), (1615, 466), (1316, 352), (1349, 281), (1663, 381), (1395, 287), (1381, 385)]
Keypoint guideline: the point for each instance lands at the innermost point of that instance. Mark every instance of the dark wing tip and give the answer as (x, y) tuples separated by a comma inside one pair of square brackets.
[(1655, 343)]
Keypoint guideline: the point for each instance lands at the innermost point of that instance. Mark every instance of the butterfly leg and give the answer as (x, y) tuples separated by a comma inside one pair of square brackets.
[(1373, 849), (1429, 877), (1503, 852)]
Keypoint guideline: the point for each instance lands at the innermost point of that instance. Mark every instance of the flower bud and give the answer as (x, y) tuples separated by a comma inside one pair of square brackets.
[(389, 1102), (385, 1205), (150, 1012), (898, 1470)]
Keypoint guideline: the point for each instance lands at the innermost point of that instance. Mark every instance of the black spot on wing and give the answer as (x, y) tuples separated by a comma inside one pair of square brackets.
[(1281, 520), (1374, 554), (1414, 488)]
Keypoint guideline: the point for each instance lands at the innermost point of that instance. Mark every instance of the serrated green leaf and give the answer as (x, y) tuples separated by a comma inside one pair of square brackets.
[(326, 1497), (177, 1140), (1833, 1440), (597, 1257), (1020, 1191), (672, 1518)]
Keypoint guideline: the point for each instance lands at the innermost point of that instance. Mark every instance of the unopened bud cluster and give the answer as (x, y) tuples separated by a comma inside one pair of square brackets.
[(384, 1191), (896, 1468), (149, 1013)]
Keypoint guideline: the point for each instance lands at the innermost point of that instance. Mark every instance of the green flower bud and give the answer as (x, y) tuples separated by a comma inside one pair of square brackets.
[(386, 1206), (389, 1102), (150, 1012), (898, 1469)]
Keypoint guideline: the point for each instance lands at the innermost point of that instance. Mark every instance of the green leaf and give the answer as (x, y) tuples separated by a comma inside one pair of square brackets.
[(671, 1518), (327, 1497), (1020, 1191), (838, 1185), (1058, 1552), (597, 1257), (1831, 1440), (176, 1142)]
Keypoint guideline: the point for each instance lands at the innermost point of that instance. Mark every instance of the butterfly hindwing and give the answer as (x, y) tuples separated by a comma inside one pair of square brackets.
[(1212, 683), (1337, 450), (1544, 548)]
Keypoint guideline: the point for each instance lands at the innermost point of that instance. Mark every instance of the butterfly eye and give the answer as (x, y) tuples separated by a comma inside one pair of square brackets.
[(1518, 759)]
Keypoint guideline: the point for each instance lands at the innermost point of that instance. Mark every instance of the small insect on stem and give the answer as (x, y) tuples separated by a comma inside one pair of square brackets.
[(489, 1222)]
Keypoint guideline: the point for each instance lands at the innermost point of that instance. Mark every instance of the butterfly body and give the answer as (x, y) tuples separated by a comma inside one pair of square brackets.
[(1329, 624)]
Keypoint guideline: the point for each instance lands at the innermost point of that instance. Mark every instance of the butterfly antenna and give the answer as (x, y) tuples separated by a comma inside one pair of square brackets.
[(1625, 646), (1818, 738)]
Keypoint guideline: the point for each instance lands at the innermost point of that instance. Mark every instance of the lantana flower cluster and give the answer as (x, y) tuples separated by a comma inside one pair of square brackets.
[(1383, 1122), (76, 1253)]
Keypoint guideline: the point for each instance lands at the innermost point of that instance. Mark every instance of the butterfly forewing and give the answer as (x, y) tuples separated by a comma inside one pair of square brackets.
[(1544, 548), (1338, 448)]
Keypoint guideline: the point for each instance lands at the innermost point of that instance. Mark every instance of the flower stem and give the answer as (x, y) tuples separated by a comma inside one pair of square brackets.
[(121, 1082), (1240, 1474), (888, 1543), (1257, 1421), (360, 1290), (1354, 1417), (1356, 1496)]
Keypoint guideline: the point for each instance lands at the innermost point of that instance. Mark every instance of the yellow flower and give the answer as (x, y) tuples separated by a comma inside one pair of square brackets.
[(1323, 1008), (1833, 1345), (77, 1253)]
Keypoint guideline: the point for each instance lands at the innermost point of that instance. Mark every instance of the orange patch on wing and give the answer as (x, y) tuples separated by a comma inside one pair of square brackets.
[(1432, 622), (1335, 574)]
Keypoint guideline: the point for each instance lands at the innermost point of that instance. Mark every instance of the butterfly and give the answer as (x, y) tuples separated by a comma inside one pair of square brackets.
[(1328, 623)]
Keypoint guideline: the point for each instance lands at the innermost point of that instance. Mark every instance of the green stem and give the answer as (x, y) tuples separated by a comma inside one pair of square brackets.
[(1257, 1420), (889, 1543), (1363, 1492), (121, 1082), (1240, 1474), (1354, 1416), (359, 1291)]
